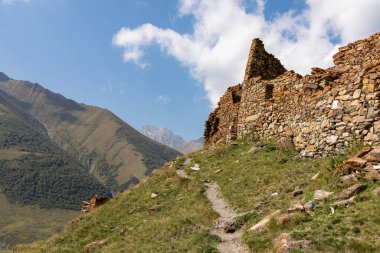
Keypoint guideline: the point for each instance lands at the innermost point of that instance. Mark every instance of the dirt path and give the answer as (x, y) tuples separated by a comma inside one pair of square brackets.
[(231, 242)]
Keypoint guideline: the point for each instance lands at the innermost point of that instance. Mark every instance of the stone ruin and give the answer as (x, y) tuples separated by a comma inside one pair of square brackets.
[(322, 113)]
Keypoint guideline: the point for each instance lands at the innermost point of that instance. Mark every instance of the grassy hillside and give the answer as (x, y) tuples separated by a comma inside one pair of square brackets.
[(177, 220), (33, 169), (181, 216), (26, 223), (109, 148)]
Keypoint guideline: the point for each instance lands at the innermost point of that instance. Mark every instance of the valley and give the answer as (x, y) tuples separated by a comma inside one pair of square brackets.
[(28, 223), (56, 153), (229, 126)]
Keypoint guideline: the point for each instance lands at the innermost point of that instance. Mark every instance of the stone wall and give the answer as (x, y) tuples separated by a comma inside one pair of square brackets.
[(321, 113), (223, 122), (260, 63)]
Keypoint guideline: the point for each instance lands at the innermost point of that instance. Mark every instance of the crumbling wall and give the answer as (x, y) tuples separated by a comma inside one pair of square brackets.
[(262, 64), (321, 113), (222, 123)]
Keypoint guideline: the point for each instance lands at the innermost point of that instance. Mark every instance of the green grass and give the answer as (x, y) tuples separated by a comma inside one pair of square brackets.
[(179, 224), (247, 181), (25, 224)]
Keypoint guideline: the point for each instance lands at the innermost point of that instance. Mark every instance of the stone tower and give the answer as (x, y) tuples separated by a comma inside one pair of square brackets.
[(261, 63)]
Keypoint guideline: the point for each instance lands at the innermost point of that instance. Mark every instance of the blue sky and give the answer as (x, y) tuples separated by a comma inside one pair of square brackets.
[(163, 62)]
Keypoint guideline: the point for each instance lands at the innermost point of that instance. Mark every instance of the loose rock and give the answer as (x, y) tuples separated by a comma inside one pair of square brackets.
[(315, 176), (195, 167), (376, 192), (297, 192), (296, 207), (188, 161), (347, 179), (354, 163), (93, 245), (345, 194), (321, 195), (262, 225), (253, 150), (309, 206), (284, 217), (374, 155), (285, 243), (344, 202)]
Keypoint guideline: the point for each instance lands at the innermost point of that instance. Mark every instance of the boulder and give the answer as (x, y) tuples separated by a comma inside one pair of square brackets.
[(354, 163), (371, 174), (376, 192), (321, 195), (347, 179), (253, 150), (373, 156), (93, 245), (95, 202), (285, 243), (344, 202), (297, 192), (262, 225), (309, 206), (296, 207), (188, 161), (284, 217), (195, 167), (363, 152), (347, 193)]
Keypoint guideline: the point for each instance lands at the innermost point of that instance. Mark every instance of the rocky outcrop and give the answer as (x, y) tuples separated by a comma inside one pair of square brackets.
[(322, 113), (163, 135), (95, 202), (366, 163)]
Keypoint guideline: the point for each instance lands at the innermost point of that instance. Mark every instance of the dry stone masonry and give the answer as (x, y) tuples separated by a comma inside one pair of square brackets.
[(321, 113)]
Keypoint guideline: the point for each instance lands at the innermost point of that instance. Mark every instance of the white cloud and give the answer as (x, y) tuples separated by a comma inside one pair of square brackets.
[(10, 2), (163, 99), (217, 49)]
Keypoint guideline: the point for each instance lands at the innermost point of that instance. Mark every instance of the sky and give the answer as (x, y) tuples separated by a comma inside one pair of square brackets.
[(167, 62)]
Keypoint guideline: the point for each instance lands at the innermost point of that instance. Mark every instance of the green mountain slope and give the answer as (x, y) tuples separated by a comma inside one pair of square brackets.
[(109, 148), (33, 169), (27, 223), (254, 181)]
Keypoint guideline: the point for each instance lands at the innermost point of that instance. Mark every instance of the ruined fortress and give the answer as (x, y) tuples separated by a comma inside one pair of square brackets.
[(321, 113)]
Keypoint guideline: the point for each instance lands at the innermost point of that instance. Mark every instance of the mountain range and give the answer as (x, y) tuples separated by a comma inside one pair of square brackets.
[(166, 136), (107, 147), (55, 153), (162, 135)]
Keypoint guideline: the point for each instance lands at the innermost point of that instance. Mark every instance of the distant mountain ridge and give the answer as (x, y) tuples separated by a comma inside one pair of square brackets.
[(110, 149), (167, 137), (162, 135), (55, 153), (190, 146), (33, 169)]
